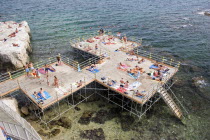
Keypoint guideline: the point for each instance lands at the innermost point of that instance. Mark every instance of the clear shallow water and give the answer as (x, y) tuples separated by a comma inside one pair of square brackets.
[(176, 27)]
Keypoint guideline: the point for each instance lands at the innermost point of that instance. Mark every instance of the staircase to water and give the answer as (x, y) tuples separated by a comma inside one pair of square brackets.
[(170, 102)]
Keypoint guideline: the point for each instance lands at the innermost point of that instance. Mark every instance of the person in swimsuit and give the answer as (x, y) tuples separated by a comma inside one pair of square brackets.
[(27, 69), (58, 57), (139, 94), (79, 84), (46, 68), (31, 67), (126, 84), (41, 93), (56, 82)]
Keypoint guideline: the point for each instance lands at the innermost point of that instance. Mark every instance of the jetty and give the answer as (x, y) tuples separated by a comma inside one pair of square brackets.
[(100, 71)]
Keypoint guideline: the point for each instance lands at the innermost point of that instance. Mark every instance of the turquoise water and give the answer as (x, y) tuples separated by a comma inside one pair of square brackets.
[(174, 28)]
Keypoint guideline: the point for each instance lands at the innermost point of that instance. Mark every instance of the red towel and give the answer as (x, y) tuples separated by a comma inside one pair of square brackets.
[(122, 90)]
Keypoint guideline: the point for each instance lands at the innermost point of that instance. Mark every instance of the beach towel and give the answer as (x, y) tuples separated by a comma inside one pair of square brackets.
[(42, 71), (52, 69), (133, 76), (139, 96), (109, 43), (153, 67), (94, 71), (47, 96), (122, 90), (121, 69), (134, 85)]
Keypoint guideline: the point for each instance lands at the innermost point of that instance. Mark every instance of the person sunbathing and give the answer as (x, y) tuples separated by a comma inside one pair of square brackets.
[(88, 48), (141, 61), (35, 95), (157, 75), (131, 71), (12, 35), (15, 45), (79, 84), (137, 93), (41, 93), (34, 73), (126, 84), (141, 70), (92, 67), (122, 66)]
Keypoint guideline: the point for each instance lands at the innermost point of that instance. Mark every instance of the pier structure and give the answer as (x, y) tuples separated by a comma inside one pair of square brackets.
[(109, 53)]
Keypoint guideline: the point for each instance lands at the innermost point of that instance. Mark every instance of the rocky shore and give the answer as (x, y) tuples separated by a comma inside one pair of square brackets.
[(14, 44)]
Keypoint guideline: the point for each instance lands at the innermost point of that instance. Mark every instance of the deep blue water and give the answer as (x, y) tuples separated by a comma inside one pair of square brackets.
[(166, 25)]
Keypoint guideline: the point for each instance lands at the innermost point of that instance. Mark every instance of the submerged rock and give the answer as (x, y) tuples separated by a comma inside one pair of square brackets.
[(86, 117), (65, 122), (101, 116), (207, 13), (94, 134), (43, 133), (14, 44), (55, 132), (77, 108), (24, 110), (199, 82), (126, 122)]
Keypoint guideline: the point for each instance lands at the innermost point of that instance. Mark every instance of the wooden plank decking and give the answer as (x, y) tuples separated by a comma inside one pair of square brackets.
[(69, 76)]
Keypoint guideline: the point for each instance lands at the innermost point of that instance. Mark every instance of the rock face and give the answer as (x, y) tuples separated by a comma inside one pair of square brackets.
[(12, 103), (14, 44)]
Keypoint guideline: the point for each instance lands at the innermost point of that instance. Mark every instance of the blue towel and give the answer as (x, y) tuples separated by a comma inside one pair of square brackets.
[(140, 96), (133, 76), (47, 96), (153, 67), (95, 71)]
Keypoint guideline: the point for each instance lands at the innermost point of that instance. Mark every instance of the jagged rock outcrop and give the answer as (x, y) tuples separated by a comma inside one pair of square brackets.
[(14, 44)]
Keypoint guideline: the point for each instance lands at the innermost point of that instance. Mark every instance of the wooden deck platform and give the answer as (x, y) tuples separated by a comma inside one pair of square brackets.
[(68, 76)]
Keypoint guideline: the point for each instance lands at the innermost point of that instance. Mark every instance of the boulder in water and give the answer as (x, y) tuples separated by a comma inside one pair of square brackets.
[(94, 134), (207, 13), (24, 110), (65, 122), (86, 117)]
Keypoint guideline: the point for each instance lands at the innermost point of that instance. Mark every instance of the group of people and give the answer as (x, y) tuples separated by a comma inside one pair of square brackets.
[(40, 96), (159, 71)]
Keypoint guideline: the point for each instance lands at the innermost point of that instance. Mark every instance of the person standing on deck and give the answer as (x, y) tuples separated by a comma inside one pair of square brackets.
[(27, 69), (56, 82), (58, 57)]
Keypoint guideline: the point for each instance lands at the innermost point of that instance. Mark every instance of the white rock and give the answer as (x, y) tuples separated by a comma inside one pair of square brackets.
[(24, 110), (12, 103), (14, 56)]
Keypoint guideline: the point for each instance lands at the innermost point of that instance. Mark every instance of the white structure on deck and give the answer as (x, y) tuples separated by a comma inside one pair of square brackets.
[(15, 126)]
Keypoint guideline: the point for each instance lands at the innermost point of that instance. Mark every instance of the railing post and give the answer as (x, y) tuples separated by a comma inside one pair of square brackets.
[(10, 76), (163, 59), (78, 67), (171, 61), (150, 55)]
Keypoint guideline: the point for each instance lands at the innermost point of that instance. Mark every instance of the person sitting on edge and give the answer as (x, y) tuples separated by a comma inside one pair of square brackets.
[(79, 84), (126, 84), (122, 83), (41, 93), (96, 47), (58, 57), (138, 93), (35, 95)]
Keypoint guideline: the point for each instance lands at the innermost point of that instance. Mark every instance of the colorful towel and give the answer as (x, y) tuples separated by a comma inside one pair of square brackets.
[(94, 71), (42, 71), (47, 96), (153, 67), (122, 90), (133, 76), (134, 85)]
